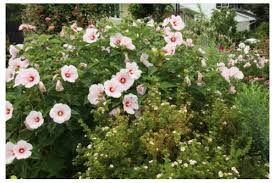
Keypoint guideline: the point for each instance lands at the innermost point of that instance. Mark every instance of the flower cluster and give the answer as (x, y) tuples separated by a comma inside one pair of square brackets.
[(20, 150), (174, 39), (91, 35), (15, 63), (120, 40), (121, 82), (121, 118), (27, 77), (247, 56), (232, 72), (27, 27)]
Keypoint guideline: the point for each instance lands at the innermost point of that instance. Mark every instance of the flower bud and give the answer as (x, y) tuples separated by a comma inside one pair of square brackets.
[(59, 87), (203, 62), (54, 77), (48, 19), (41, 87), (83, 65), (141, 89), (200, 78), (36, 66), (51, 28), (187, 81), (115, 111), (126, 58), (232, 89)]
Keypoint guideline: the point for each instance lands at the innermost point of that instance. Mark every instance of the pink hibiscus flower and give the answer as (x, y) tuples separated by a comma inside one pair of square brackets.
[(18, 63), (127, 42), (90, 35), (60, 113), (120, 40), (233, 72), (34, 120), (14, 50), (174, 39), (27, 77), (9, 74), (116, 40), (130, 103), (22, 150), (133, 70), (10, 155), (9, 110), (177, 22), (96, 94), (169, 49), (125, 80), (112, 88), (69, 73)]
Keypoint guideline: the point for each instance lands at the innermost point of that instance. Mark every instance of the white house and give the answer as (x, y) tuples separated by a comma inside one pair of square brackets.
[(243, 18)]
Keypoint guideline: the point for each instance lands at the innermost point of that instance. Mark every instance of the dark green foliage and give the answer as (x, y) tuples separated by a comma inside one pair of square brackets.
[(253, 104), (66, 14), (156, 11), (224, 22), (261, 11)]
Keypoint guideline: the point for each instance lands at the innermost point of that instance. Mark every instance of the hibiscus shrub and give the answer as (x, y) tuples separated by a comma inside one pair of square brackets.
[(135, 100)]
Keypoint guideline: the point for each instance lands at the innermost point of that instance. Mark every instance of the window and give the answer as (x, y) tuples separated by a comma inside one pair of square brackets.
[(223, 5), (227, 5)]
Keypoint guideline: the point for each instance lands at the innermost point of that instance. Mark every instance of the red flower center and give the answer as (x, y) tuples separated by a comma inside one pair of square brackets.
[(173, 39), (118, 41), (127, 103), (21, 150), (92, 37), (122, 80), (8, 110), (112, 89), (175, 23), (36, 119), (31, 78), (67, 75), (60, 113), (131, 71)]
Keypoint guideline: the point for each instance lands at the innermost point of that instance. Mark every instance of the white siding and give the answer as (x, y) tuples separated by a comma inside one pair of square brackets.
[(242, 26), (207, 8)]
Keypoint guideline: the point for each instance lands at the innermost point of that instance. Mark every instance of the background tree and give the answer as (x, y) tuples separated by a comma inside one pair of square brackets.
[(156, 11), (49, 18), (261, 11)]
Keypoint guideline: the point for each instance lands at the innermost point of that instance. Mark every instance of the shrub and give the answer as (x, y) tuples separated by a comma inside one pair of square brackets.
[(254, 116), (262, 31), (50, 18), (151, 103), (224, 22)]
